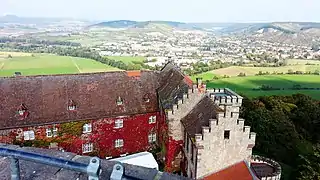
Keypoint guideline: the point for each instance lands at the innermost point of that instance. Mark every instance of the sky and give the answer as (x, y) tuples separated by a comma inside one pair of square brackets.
[(172, 10)]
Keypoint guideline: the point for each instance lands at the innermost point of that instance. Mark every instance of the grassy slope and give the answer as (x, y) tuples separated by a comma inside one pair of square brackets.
[(245, 84), (127, 59), (50, 64)]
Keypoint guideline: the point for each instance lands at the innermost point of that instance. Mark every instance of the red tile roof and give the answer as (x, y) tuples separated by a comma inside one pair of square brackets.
[(134, 73), (46, 98), (188, 80), (239, 171)]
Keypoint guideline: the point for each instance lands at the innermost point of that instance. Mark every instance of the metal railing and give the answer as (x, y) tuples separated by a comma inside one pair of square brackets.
[(92, 169)]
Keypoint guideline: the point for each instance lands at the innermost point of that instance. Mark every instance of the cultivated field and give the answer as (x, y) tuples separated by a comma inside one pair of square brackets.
[(127, 59), (293, 64), (13, 54), (302, 61), (245, 85), (40, 64)]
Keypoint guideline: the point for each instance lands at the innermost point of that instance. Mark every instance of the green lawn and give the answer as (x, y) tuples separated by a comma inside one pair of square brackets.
[(50, 64), (245, 85), (127, 59)]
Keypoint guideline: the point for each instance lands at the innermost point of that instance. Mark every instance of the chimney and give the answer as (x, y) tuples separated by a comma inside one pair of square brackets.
[(199, 82)]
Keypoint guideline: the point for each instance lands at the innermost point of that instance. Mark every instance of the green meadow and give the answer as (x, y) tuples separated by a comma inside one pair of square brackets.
[(41, 64)]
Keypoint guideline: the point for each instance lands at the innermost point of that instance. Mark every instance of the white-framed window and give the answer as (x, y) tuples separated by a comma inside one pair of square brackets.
[(86, 148), (119, 101), (48, 132), (119, 143), (152, 137), (21, 112), (152, 119), (28, 135), (118, 123), (87, 128), (55, 132), (52, 132)]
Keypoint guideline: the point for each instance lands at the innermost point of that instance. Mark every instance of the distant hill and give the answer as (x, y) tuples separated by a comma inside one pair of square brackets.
[(226, 28), (285, 27), (145, 24)]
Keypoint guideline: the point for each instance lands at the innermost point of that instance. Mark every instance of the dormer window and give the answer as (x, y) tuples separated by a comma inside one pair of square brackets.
[(71, 105), (146, 98), (119, 101), (71, 108), (22, 111)]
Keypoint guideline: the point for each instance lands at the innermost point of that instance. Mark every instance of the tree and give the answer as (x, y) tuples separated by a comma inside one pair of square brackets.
[(308, 166)]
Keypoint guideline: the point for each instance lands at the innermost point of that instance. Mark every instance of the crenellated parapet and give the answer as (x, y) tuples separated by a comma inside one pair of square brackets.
[(265, 168), (185, 104), (225, 96), (180, 109), (225, 139)]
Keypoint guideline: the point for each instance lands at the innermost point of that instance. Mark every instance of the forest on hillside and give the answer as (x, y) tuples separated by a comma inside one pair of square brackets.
[(287, 130)]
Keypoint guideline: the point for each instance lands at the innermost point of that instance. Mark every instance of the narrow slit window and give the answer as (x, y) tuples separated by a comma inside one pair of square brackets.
[(227, 134)]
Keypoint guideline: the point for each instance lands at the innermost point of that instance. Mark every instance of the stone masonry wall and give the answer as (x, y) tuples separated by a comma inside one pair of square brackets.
[(180, 110), (216, 152), (175, 128)]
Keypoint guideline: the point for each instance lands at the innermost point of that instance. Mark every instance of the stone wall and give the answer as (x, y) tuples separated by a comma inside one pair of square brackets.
[(180, 110), (214, 150), (175, 128)]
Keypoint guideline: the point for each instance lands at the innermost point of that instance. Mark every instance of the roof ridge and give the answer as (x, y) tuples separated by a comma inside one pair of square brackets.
[(72, 74)]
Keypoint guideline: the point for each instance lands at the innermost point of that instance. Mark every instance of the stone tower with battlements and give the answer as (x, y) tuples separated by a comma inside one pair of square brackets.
[(204, 128), (225, 140)]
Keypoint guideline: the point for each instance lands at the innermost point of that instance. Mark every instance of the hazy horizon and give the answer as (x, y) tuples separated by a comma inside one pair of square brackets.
[(209, 11)]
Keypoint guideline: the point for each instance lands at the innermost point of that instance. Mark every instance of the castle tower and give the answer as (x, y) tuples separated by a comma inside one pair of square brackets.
[(203, 125), (214, 135)]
